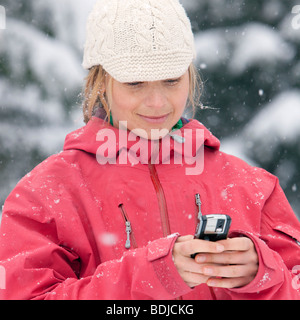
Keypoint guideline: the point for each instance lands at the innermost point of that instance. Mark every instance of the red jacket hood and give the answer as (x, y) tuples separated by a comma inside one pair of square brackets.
[(92, 136)]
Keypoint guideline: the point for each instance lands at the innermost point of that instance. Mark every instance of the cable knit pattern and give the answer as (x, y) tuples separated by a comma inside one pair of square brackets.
[(139, 40)]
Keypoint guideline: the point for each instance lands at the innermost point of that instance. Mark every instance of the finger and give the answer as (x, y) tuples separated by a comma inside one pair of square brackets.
[(232, 271), (185, 238), (237, 244), (194, 279), (229, 283), (227, 258), (191, 247), (186, 264)]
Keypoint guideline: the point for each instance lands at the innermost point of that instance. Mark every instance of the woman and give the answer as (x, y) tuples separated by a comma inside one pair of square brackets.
[(114, 215)]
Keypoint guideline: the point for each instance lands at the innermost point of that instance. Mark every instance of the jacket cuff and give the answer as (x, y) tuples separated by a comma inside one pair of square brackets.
[(270, 271), (160, 255)]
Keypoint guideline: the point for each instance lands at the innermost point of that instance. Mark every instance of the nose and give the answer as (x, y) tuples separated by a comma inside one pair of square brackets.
[(155, 98)]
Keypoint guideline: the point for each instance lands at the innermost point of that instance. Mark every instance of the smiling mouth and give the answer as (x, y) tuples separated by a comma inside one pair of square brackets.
[(157, 119)]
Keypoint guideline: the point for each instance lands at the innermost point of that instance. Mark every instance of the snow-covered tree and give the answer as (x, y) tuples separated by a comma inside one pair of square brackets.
[(248, 56), (40, 80)]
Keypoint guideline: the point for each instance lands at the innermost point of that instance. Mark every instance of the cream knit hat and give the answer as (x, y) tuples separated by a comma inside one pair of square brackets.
[(139, 40)]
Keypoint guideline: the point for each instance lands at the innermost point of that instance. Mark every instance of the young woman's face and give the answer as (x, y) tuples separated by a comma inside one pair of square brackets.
[(149, 105)]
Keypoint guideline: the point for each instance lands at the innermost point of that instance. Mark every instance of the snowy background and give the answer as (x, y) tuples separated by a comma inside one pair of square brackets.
[(248, 57)]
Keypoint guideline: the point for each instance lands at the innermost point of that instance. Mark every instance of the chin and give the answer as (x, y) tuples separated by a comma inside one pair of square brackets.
[(151, 134)]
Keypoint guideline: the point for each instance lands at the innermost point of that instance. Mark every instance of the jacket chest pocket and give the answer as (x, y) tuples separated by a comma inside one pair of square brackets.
[(117, 234), (127, 226)]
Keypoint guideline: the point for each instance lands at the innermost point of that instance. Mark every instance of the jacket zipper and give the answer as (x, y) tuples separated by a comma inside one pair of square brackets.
[(161, 200), (161, 203), (130, 236)]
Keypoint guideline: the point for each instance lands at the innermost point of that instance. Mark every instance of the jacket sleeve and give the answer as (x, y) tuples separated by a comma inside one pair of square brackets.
[(49, 250), (141, 274), (278, 249), (38, 266)]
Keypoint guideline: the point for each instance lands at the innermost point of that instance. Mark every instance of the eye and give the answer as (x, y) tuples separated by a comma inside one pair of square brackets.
[(173, 81), (134, 84)]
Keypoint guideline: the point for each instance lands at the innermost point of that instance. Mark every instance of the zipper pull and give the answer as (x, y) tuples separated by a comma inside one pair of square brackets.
[(199, 219), (128, 231), (198, 203)]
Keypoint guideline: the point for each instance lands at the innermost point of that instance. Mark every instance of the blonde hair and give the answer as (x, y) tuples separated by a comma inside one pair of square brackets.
[(94, 95)]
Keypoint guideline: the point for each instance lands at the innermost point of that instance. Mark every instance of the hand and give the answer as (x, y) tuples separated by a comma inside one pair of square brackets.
[(187, 267), (230, 263)]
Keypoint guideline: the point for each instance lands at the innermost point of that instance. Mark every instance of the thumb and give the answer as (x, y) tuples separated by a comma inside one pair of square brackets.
[(185, 238)]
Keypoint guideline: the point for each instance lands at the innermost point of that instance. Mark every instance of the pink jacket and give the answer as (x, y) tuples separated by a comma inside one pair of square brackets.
[(75, 229)]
